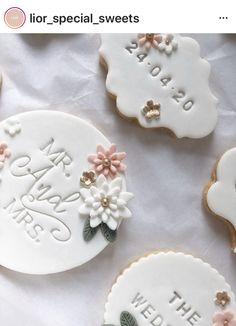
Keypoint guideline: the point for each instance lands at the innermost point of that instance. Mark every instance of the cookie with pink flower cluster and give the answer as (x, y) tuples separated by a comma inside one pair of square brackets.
[(60, 205), (107, 161)]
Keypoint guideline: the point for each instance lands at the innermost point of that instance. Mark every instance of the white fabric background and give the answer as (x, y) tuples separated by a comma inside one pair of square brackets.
[(62, 72)]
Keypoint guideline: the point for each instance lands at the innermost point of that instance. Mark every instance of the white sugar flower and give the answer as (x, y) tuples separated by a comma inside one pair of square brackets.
[(105, 202), (168, 44), (12, 127)]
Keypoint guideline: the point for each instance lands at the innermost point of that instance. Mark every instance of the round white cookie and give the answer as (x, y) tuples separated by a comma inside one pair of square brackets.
[(161, 81), (55, 207), (167, 289), (220, 194)]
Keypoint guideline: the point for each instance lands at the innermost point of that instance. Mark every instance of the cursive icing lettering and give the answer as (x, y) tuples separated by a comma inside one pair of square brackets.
[(41, 202), (59, 157)]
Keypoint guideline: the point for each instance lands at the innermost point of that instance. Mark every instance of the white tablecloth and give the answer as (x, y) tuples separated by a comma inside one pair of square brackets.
[(62, 72)]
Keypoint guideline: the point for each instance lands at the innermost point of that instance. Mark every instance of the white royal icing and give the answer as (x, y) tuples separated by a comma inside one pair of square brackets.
[(168, 289), (221, 196), (173, 75), (43, 156)]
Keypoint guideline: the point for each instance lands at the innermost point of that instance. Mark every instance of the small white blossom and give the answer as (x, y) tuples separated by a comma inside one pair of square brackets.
[(12, 127), (168, 44)]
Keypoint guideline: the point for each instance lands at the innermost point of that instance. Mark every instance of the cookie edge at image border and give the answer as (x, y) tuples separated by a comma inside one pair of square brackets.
[(154, 253), (213, 180)]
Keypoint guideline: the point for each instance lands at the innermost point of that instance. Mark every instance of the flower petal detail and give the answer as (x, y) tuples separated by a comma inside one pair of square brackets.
[(95, 222), (113, 207), (117, 182), (115, 214), (126, 196), (113, 171), (96, 205), (112, 149), (115, 162), (94, 213), (114, 192), (94, 191), (104, 217), (99, 168), (122, 167), (106, 171), (92, 157), (105, 188), (84, 209), (121, 203), (100, 180), (101, 149), (89, 201), (84, 193), (112, 224), (125, 213)]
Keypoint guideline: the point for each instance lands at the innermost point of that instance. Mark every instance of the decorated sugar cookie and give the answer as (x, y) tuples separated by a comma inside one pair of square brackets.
[(220, 192), (62, 192), (161, 81), (168, 289)]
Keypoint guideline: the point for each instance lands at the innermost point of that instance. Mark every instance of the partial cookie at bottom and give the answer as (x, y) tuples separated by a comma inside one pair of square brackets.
[(169, 289)]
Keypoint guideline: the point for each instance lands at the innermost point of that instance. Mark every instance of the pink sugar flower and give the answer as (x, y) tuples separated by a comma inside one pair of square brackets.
[(149, 40), (107, 161), (224, 318), (4, 152)]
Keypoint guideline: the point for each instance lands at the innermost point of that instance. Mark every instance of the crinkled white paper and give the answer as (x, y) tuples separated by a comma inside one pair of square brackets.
[(167, 176)]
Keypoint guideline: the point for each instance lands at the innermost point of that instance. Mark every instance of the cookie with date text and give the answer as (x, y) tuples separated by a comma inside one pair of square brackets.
[(164, 289), (161, 81), (220, 192), (63, 192)]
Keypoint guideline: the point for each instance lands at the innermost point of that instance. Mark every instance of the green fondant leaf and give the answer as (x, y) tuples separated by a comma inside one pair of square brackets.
[(126, 319), (88, 232), (108, 234)]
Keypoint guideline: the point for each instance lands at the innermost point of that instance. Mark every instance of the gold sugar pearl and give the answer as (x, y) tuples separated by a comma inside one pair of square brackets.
[(106, 162), (150, 36), (105, 202)]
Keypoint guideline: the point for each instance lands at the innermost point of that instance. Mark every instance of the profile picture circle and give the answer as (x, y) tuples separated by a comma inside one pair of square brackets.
[(14, 17)]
